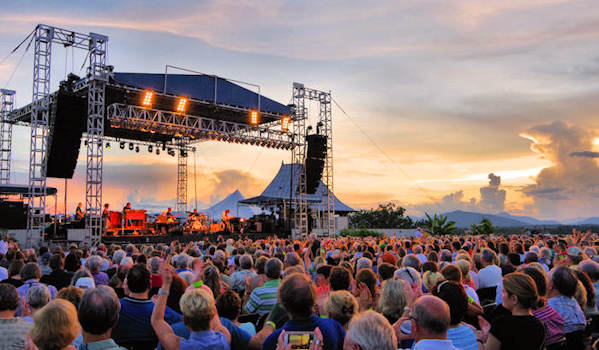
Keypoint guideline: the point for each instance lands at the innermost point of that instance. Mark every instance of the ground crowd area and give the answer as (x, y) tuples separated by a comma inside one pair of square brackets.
[(447, 292)]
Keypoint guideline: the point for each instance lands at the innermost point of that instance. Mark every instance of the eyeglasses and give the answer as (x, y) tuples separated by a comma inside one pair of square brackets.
[(406, 271)]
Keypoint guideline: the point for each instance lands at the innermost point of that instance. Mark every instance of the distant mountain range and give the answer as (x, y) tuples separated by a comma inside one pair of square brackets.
[(464, 219)]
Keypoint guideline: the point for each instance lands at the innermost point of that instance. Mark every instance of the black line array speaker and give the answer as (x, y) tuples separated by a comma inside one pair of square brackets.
[(65, 140), (315, 157)]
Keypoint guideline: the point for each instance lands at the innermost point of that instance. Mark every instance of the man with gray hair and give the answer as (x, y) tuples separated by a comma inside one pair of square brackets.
[(93, 264), (369, 330), (238, 277), (264, 298), (430, 320), (180, 263), (490, 275), (37, 297), (98, 313), (411, 260)]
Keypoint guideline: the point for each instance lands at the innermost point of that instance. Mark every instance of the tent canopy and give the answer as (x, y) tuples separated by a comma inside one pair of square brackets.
[(230, 202), (279, 190)]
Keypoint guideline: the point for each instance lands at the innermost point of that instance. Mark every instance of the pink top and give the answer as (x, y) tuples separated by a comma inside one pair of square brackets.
[(554, 324)]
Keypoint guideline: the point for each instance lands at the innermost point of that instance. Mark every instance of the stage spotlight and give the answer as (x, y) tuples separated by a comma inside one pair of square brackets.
[(157, 151), (147, 98), (182, 104), (164, 146), (150, 148), (122, 145), (107, 145), (130, 146), (285, 123), (136, 149), (254, 117)]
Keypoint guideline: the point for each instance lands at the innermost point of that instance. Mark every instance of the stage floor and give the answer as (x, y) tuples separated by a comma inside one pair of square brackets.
[(153, 239)]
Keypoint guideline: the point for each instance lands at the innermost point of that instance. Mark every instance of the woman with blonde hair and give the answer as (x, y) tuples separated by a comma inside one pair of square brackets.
[(341, 306), (431, 278), (396, 294), (55, 326), (464, 266)]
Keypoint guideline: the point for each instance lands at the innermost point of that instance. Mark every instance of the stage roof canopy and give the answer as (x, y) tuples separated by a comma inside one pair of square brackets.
[(279, 190), (14, 189), (204, 88)]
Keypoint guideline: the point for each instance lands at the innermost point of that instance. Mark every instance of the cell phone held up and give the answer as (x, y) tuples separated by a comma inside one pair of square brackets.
[(299, 340)]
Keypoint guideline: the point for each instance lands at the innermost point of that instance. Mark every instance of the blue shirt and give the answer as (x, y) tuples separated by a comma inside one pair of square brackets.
[(332, 332), (571, 312), (135, 321), (434, 344), (463, 337), (239, 338), (25, 288), (205, 340)]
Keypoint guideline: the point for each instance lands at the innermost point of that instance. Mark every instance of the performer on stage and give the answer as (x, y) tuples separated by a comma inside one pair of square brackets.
[(226, 218), (106, 217), (194, 215), (79, 212), (125, 208), (169, 215)]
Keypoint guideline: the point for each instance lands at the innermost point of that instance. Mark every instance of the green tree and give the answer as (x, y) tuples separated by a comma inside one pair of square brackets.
[(387, 215), (438, 225), (485, 227)]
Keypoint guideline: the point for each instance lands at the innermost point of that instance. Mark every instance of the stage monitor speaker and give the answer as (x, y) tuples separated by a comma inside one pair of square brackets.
[(65, 138), (13, 215)]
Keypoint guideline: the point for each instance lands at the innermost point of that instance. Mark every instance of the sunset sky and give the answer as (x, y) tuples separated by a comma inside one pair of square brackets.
[(450, 91)]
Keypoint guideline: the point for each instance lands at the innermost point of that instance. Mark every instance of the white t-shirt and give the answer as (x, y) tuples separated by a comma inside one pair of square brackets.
[(489, 276)]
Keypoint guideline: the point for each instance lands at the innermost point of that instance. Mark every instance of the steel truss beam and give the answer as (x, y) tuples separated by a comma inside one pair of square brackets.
[(197, 128), (95, 133), (298, 158), (7, 102), (181, 204)]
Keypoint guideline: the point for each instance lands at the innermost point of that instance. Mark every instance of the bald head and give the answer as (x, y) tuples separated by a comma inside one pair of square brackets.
[(432, 316)]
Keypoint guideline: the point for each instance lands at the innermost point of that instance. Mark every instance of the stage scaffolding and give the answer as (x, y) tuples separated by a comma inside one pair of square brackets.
[(302, 94), (184, 130)]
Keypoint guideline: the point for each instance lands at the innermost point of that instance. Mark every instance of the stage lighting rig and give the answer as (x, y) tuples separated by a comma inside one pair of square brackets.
[(150, 148), (157, 151), (285, 123), (130, 146), (254, 117), (182, 104), (148, 96), (136, 149), (122, 145)]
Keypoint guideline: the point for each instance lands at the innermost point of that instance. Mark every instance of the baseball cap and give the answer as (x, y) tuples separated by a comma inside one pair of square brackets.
[(574, 251)]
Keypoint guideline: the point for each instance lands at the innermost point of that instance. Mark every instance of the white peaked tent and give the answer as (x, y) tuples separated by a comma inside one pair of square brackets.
[(230, 202)]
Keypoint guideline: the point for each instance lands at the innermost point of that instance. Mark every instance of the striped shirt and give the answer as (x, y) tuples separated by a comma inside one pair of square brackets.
[(463, 337), (571, 312), (263, 298), (554, 324)]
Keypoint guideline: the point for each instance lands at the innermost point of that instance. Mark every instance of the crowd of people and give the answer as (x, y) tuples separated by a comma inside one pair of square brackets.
[(451, 292)]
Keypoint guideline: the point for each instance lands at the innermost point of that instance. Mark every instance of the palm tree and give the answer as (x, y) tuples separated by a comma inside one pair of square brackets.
[(438, 225), (485, 227)]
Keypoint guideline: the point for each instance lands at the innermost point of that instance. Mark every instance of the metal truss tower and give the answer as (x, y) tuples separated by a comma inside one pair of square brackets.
[(181, 204), (325, 117), (40, 120), (7, 102), (325, 128), (95, 133), (298, 158), (95, 45)]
